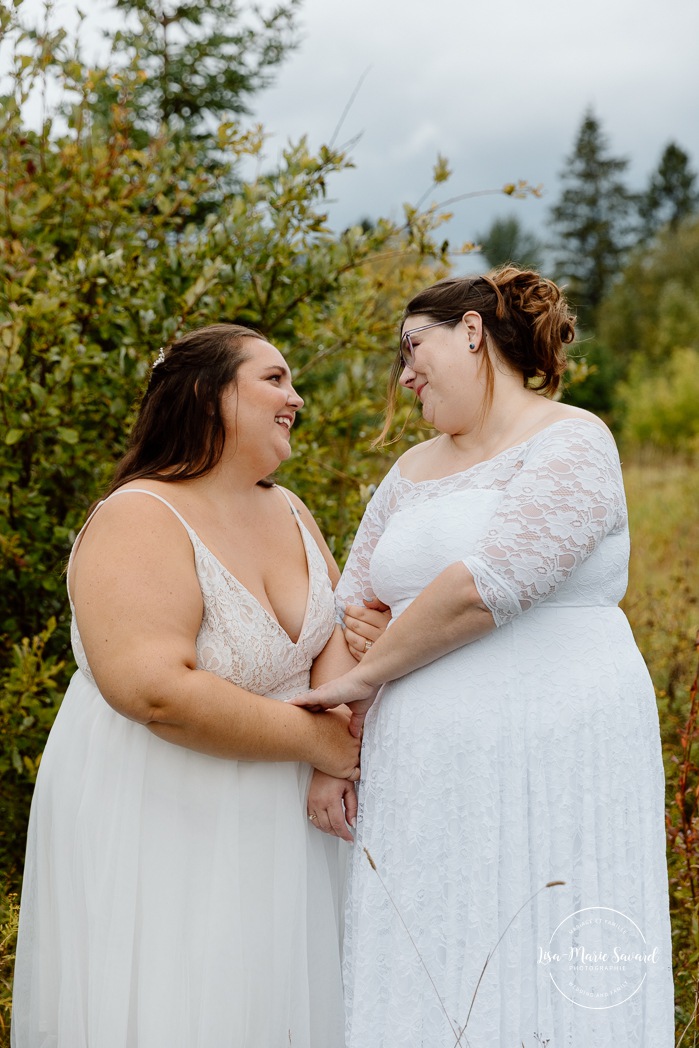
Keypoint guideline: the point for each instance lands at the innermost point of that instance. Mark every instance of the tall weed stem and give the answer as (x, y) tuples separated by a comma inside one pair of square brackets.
[(457, 1031)]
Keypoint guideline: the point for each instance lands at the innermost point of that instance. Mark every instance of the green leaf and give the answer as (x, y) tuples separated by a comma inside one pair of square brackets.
[(69, 436)]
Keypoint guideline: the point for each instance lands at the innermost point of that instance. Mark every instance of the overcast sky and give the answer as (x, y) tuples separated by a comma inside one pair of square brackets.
[(499, 87)]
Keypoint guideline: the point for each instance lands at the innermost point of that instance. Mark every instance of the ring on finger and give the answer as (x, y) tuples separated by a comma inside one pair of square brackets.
[(367, 645), (313, 817)]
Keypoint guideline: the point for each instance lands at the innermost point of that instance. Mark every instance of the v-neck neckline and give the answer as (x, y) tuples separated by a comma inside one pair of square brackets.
[(270, 616)]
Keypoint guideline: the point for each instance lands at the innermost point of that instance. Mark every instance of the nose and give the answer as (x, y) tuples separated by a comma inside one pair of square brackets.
[(406, 376), (295, 400)]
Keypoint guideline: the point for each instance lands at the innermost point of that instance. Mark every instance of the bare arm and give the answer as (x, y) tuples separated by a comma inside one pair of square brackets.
[(332, 801), (334, 660), (139, 609)]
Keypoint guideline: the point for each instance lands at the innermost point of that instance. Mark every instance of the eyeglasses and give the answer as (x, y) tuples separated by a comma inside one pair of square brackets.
[(407, 349)]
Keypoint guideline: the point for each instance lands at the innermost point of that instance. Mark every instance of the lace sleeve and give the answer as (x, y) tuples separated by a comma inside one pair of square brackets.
[(354, 585), (567, 495)]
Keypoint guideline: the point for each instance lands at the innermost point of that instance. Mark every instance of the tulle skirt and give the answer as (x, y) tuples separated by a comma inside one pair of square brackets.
[(172, 900)]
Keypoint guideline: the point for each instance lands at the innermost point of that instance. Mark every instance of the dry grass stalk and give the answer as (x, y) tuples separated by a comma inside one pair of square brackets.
[(458, 1031)]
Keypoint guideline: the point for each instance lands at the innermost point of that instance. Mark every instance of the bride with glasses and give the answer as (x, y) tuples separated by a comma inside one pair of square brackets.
[(508, 882)]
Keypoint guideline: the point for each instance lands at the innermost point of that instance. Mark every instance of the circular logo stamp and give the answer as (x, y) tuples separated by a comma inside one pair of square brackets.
[(598, 957)]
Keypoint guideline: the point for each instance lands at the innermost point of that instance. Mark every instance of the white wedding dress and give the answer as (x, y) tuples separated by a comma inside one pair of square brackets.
[(177, 900), (528, 756)]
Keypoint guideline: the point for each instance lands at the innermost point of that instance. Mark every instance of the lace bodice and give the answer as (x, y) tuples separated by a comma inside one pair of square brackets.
[(530, 525), (238, 638)]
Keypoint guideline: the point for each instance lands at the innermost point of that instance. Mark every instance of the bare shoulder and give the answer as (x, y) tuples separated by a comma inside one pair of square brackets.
[(304, 512), (415, 458), (559, 412), (312, 526), (132, 528), (133, 509)]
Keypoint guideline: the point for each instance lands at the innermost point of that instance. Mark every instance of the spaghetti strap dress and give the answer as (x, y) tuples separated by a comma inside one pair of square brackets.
[(173, 899)]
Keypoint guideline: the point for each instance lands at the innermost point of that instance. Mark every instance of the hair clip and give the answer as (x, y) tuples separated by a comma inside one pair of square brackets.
[(160, 357)]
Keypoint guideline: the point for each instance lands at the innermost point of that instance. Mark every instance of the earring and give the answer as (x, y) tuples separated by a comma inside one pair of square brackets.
[(472, 346)]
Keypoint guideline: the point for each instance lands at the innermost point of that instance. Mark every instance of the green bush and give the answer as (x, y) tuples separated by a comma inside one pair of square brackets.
[(9, 916), (106, 253), (593, 373), (654, 306), (31, 693), (660, 408)]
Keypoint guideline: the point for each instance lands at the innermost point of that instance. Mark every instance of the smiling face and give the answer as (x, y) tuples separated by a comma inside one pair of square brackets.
[(447, 377), (260, 408)]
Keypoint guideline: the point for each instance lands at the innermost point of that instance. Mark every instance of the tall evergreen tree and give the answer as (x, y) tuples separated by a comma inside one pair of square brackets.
[(594, 219), (672, 193), (201, 59), (507, 241)]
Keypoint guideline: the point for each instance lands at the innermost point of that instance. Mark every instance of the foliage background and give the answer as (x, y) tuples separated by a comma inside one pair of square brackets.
[(124, 223)]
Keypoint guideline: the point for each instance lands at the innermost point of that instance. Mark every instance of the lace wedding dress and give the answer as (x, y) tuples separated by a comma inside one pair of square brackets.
[(526, 757), (177, 900)]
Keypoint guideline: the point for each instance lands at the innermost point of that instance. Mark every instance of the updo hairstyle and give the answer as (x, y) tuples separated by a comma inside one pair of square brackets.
[(526, 319), (179, 433)]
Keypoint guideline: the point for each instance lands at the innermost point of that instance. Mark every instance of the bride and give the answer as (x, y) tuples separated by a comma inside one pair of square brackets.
[(175, 892), (511, 766)]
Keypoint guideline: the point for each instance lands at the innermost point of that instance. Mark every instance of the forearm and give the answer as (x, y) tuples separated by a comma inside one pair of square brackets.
[(206, 713), (203, 712), (446, 615)]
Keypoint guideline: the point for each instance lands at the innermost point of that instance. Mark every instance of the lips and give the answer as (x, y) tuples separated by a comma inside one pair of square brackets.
[(284, 420), (420, 388)]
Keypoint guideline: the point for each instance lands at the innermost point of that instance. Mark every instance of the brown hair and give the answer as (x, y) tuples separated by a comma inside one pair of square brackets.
[(179, 432), (525, 315)]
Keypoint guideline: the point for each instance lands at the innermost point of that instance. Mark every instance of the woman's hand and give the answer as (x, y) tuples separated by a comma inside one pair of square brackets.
[(332, 805), (350, 689), (364, 625), (334, 750)]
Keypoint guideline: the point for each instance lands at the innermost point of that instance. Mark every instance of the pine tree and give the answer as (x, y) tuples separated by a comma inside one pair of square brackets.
[(507, 241), (672, 194), (201, 59), (594, 219)]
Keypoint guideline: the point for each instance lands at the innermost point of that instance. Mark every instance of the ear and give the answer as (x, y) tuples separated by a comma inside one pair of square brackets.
[(473, 324)]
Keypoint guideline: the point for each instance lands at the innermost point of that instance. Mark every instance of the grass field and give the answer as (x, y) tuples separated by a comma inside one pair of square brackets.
[(662, 604)]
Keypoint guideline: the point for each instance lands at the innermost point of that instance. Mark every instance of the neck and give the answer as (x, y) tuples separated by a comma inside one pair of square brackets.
[(509, 412), (227, 484)]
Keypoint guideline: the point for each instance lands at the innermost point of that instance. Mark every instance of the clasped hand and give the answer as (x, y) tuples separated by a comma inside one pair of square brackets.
[(364, 625), (351, 690), (332, 802)]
